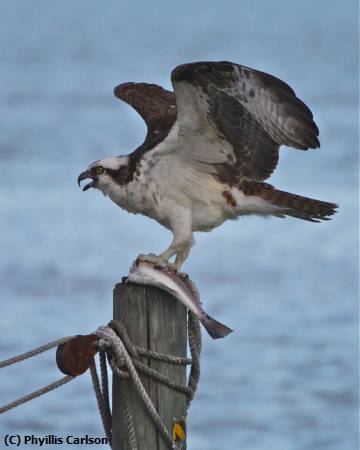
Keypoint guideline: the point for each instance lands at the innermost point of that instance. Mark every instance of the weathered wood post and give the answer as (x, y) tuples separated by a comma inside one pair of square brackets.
[(154, 320)]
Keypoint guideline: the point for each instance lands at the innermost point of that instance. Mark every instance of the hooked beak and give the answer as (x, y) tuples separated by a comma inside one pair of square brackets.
[(84, 176)]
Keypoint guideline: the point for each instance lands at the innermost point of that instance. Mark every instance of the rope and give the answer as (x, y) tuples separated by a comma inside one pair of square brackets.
[(129, 418), (35, 394), (110, 338), (194, 336), (136, 351), (116, 347), (102, 402), (105, 388), (162, 357), (34, 352), (45, 389), (122, 356), (143, 368)]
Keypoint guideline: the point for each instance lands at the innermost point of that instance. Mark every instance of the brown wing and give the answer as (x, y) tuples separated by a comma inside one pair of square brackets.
[(253, 111), (257, 153), (155, 105)]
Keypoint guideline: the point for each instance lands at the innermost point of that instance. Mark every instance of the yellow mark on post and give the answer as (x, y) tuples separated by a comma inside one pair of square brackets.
[(179, 430)]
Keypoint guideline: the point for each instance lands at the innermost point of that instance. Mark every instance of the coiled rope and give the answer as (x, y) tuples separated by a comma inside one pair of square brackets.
[(121, 353), (116, 348)]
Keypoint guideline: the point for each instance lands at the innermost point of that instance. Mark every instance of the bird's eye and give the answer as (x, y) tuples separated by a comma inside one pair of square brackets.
[(99, 170)]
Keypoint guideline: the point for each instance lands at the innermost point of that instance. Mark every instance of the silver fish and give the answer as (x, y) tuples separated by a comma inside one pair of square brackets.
[(181, 287)]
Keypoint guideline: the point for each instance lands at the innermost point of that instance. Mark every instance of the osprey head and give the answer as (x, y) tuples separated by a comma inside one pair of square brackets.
[(105, 173)]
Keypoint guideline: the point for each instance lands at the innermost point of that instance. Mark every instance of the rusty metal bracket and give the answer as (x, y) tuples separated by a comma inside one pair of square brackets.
[(74, 357)]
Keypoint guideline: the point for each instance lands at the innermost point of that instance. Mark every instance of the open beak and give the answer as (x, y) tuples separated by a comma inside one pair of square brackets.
[(84, 176)]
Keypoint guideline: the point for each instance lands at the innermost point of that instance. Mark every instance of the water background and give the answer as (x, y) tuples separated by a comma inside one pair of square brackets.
[(287, 378)]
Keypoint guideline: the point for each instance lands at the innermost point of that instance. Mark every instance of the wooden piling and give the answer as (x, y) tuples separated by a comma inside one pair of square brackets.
[(157, 321)]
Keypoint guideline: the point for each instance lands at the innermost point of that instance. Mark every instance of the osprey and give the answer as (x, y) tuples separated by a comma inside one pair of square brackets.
[(209, 147)]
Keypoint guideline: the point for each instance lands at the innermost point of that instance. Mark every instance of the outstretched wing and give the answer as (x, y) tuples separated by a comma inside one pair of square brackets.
[(242, 116), (156, 106)]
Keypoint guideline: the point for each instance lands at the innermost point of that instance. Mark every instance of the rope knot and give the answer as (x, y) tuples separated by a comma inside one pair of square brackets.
[(123, 357)]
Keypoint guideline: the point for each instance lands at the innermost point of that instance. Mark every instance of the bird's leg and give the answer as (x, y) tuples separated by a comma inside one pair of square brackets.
[(179, 248), (180, 245), (183, 254)]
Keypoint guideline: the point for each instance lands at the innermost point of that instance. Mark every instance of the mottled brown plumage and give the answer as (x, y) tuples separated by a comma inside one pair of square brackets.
[(223, 95), (156, 106), (209, 147), (254, 137), (229, 198), (294, 205), (254, 140)]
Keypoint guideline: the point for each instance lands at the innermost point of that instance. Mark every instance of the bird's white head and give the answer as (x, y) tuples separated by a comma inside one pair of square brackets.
[(107, 175)]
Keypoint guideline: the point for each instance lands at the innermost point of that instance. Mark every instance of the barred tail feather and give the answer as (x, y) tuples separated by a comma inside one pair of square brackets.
[(308, 208), (291, 204)]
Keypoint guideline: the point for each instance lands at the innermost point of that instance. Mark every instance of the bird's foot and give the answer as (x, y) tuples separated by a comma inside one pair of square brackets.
[(158, 261)]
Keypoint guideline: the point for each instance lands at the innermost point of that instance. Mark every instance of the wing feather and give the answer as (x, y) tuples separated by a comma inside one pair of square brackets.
[(156, 106), (252, 111), (230, 120)]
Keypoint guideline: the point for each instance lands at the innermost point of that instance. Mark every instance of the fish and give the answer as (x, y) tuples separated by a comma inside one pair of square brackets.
[(181, 287)]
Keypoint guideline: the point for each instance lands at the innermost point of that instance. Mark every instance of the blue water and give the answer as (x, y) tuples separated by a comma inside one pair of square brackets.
[(287, 378)]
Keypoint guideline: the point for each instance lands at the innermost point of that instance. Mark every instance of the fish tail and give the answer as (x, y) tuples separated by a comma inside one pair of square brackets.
[(215, 329)]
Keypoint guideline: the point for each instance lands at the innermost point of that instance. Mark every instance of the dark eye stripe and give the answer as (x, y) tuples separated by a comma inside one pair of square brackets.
[(120, 176)]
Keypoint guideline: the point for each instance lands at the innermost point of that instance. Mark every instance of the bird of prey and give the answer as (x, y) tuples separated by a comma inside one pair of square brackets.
[(209, 147)]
